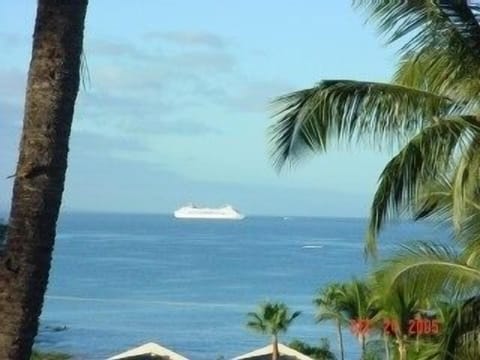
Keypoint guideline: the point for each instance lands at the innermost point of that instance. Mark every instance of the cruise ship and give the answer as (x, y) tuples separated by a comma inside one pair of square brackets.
[(191, 211)]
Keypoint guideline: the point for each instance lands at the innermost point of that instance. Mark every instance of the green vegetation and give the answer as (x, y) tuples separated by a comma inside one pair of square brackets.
[(390, 321), (271, 319), (321, 352), (329, 303), (38, 355), (429, 110), (429, 113)]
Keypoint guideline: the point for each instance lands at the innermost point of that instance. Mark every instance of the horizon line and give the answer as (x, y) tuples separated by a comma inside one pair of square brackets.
[(164, 213)]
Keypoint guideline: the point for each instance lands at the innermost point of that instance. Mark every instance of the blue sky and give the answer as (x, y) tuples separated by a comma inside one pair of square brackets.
[(177, 105)]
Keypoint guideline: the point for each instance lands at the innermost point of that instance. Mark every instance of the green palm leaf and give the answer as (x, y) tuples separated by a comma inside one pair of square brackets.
[(461, 328), (426, 157), (463, 15), (435, 200), (441, 46), (433, 268), (328, 303), (427, 23), (347, 111), (356, 301), (271, 318), (398, 303), (433, 70)]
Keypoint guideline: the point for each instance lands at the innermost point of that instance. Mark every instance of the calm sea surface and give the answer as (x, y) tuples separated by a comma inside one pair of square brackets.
[(119, 281)]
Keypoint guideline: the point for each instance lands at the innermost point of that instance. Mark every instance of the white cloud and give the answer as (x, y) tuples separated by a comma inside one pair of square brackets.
[(189, 38)]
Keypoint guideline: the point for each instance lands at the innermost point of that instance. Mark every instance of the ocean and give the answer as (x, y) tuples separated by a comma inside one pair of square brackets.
[(119, 281)]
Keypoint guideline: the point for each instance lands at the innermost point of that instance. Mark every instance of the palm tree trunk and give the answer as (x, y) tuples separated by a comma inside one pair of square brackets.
[(275, 352), (361, 340), (52, 87), (402, 350), (417, 342), (340, 339), (387, 346)]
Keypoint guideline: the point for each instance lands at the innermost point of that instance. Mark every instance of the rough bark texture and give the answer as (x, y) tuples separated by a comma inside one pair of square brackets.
[(3, 229), (52, 87)]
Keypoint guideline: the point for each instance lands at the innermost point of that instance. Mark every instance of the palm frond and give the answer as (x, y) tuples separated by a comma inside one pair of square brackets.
[(461, 331), (434, 200), (438, 199), (442, 42), (293, 317), (256, 322), (347, 111), (426, 156), (397, 302), (434, 71), (256, 326), (271, 318), (426, 22), (463, 16), (433, 268), (328, 303), (356, 301), (466, 183)]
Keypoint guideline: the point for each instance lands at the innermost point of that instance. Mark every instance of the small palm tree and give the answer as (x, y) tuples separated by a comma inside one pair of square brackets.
[(328, 303), (358, 306), (271, 319), (398, 305)]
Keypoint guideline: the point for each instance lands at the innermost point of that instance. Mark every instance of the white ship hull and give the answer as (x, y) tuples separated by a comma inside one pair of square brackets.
[(208, 216), (225, 213)]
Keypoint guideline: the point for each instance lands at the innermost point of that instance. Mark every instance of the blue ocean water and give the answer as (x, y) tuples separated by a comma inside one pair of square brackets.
[(119, 281)]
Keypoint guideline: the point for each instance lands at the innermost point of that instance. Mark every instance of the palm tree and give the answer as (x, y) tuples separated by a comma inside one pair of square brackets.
[(321, 352), (328, 306), (398, 305), (53, 82), (272, 319), (462, 331), (441, 271), (430, 110), (358, 307)]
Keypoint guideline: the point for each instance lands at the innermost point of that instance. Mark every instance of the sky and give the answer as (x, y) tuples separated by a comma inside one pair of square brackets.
[(176, 104)]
